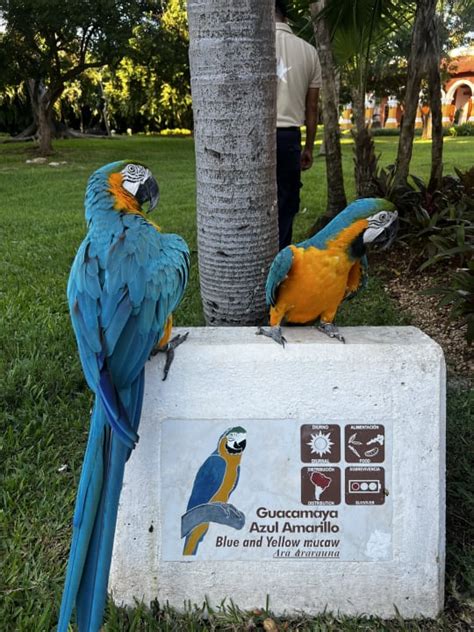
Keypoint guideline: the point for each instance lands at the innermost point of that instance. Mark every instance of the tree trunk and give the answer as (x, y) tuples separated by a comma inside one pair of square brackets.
[(434, 90), (105, 109), (27, 133), (422, 32), (365, 167), (45, 128), (336, 196), (233, 85), (41, 108)]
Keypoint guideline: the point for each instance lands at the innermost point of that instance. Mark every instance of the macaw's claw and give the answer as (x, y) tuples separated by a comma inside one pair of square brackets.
[(331, 330), (169, 350), (274, 333)]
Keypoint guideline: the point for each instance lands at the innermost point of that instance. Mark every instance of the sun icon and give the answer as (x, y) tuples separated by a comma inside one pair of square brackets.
[(320, 443)]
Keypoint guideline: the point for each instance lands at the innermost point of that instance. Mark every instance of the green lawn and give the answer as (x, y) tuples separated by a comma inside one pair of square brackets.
[(45, 404)]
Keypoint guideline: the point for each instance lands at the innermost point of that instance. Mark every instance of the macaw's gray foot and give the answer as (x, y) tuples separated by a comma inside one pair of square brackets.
[(169, 350), (274, 333), (331, 330)]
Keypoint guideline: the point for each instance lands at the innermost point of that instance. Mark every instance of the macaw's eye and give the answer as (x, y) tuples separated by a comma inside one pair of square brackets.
[(383, 217), (134, 172)]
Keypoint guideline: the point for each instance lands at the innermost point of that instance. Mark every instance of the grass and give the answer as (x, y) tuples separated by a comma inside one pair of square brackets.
[(45, 404)]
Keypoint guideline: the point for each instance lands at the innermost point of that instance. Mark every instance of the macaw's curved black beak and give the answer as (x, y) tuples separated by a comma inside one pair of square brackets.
[(148, 192), (387, 236), (237, 447)]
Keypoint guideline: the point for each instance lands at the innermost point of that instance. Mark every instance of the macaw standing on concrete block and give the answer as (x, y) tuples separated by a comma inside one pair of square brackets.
[(308, 281), (125, 282)]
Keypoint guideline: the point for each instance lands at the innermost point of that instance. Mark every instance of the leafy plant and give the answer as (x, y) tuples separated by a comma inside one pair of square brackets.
[(390, 131), (467, 180), (439, 227), (438, 224), (178, 131), (465, 129), (460, 295)]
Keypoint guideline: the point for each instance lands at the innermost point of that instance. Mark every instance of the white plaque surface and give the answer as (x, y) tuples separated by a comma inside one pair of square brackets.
[(298, 496), (311, 476)]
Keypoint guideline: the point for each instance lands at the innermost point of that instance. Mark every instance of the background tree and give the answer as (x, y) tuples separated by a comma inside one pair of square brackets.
[(151, 87), (233, 83), (48, 43), (358, 28), (336, 199), (434, 93), (424, 45), (438, 27)]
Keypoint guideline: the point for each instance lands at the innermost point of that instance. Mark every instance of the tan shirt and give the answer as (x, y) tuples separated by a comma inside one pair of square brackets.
[(298, 69)]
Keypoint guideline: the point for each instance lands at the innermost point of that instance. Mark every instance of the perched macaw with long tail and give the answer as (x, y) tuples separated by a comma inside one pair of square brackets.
[(125, 282), (214, 483), (308, 281)]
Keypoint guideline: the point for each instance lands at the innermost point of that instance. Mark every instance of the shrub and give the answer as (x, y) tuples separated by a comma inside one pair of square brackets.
[(460, 295), (439, 224), (390, 131), (466, 129), (178, 131), (439, 227)]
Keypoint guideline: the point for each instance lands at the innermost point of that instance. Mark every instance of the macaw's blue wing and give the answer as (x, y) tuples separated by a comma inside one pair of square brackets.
[(277, 274), (208, 480), (154, 269), (120, 299)]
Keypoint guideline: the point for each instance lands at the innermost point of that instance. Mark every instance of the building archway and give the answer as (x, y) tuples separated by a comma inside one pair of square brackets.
[(461, 95)]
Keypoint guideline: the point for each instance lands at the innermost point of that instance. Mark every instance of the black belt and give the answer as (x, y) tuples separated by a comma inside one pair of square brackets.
[(288, 129)]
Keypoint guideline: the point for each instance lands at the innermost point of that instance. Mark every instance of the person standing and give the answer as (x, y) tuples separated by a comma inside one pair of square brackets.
[(298, 83)]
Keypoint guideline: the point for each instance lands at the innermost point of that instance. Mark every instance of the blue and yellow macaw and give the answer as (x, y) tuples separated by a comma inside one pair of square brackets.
[(308, 281), (125, 282), (215, 481)]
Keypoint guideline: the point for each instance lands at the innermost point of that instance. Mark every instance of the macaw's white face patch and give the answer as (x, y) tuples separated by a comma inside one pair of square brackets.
[(133, 176), (236, 441), (378, 224)]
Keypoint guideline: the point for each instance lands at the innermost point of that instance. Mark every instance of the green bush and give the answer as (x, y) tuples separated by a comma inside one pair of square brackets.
[(466, 129), (460, 295), (390, 131), (438, 225), (178, 131)]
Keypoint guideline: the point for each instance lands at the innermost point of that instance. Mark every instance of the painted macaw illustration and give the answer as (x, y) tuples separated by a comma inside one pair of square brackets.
[(308, 281), (125, 282), (214, 483)]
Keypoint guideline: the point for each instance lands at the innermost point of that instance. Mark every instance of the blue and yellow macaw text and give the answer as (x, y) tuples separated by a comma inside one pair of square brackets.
[(125, 282), (308, 281), (215, 481)]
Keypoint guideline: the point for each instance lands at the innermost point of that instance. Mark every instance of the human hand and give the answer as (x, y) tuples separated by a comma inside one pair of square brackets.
[(306, 159)]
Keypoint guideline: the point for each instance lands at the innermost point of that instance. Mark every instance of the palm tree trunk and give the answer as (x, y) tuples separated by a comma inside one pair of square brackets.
[(365, 167), (422, 32), (233, 85), (336, 199)]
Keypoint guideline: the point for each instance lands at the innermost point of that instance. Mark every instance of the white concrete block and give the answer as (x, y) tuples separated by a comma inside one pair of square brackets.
[(340, 500)]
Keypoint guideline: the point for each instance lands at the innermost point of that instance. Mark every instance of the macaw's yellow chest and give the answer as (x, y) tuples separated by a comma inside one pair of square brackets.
[(314, 287), (230, 477)]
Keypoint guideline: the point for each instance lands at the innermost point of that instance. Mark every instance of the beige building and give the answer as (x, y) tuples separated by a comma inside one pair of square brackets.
[(457, 97)]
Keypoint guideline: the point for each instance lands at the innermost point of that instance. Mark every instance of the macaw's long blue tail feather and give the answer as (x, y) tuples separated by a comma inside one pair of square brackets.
[(93, 588), (87, 503), (95, 517)]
